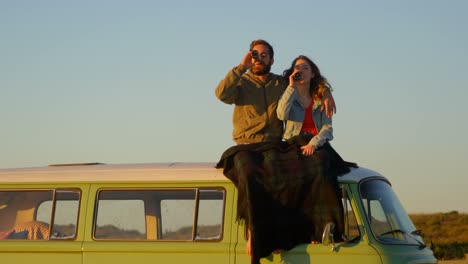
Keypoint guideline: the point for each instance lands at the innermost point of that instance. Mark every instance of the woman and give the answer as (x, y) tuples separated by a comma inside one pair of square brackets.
[(300, 104)]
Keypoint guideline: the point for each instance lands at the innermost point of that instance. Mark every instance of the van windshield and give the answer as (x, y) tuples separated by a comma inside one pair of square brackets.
[(388, 220)]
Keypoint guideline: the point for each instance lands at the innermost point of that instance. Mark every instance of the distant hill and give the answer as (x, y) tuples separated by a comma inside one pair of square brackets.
[(445, 233)]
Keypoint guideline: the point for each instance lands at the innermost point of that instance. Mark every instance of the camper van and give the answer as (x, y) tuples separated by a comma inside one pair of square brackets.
[(180, 213)]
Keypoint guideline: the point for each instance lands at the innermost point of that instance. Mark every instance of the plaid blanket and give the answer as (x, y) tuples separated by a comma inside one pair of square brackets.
[(284, 197)]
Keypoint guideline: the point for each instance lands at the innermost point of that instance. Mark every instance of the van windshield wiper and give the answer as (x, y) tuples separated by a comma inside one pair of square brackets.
[(394, 231), (411, 235)]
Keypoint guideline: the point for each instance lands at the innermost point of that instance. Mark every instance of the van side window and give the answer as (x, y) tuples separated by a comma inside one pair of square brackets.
[(27, 214), (352, 233), (121, 215), (67, 205), (210, 214), (161, 214), (177, 215)]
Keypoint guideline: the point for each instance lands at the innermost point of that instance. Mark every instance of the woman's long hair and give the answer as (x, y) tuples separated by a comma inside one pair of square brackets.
[(318, 84)]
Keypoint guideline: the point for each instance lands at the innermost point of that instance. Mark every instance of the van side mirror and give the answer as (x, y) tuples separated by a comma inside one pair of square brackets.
[(327, 236)]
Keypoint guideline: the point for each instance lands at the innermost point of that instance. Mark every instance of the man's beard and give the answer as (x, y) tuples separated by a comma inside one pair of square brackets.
[(261, 70)]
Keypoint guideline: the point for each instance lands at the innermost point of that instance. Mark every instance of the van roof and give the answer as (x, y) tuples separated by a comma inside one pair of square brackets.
[(145, 172)]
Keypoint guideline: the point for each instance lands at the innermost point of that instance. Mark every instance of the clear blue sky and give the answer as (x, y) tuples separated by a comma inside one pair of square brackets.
[(133, 82)]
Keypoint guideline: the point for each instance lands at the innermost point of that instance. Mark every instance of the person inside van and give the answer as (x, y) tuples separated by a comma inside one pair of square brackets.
[(5, 234), (32, 230)]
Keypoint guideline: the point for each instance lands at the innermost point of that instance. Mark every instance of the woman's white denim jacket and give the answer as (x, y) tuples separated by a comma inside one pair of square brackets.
[(292, 113)]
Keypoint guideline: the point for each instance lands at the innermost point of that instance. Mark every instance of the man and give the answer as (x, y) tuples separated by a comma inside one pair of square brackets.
[(255, 92)]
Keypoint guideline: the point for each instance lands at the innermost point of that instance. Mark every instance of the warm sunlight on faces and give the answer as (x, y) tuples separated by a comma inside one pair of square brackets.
[(302, 66), (263, 51), (262, 65)]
